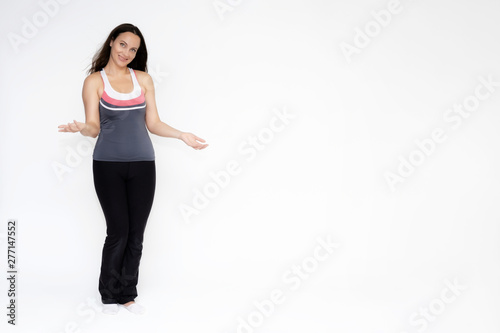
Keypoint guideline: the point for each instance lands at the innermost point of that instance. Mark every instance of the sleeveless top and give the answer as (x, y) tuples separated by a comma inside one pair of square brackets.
[(123, 136)]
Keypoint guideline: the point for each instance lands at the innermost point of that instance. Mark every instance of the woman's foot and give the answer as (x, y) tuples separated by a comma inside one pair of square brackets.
[(134, 307), (110, 309)]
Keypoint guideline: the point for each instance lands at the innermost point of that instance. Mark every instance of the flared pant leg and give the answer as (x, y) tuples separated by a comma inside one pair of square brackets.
[(126, 192)]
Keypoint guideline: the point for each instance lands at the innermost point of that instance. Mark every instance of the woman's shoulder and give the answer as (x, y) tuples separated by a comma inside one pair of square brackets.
[(141, 74), (94, 77), (143, 78), (94, 82)]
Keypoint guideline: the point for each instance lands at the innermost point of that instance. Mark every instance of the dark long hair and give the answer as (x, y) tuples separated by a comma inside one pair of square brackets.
[(101, 58)]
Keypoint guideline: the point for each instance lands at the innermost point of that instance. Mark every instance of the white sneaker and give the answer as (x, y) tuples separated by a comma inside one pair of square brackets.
[(110, 309), (135, 308)]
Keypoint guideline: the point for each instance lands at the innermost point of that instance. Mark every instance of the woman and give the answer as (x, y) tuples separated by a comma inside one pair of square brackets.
[(119, 100)]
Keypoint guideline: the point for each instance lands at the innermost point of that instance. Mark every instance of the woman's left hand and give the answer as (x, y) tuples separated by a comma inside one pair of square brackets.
[(192, 140)]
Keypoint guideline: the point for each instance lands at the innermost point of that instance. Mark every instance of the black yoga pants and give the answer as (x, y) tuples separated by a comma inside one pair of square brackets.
[(125, 191)]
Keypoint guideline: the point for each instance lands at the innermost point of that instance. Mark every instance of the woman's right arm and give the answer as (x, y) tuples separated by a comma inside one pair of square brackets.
[(90, 98), (90, 95)]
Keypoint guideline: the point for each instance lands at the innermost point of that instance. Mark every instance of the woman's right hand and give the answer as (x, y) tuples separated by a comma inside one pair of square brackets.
[(73, 127)]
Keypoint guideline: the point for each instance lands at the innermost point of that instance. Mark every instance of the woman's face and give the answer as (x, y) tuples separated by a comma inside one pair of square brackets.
[(124, 48)]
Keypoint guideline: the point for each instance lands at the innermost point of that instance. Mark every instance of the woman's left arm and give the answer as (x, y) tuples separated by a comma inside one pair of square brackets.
[(158, 127)]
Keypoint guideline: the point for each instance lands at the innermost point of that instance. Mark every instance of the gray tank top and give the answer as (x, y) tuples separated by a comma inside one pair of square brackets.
[(123, 136)]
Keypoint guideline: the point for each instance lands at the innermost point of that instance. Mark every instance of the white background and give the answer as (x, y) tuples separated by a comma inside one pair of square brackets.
[(220, 75)]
